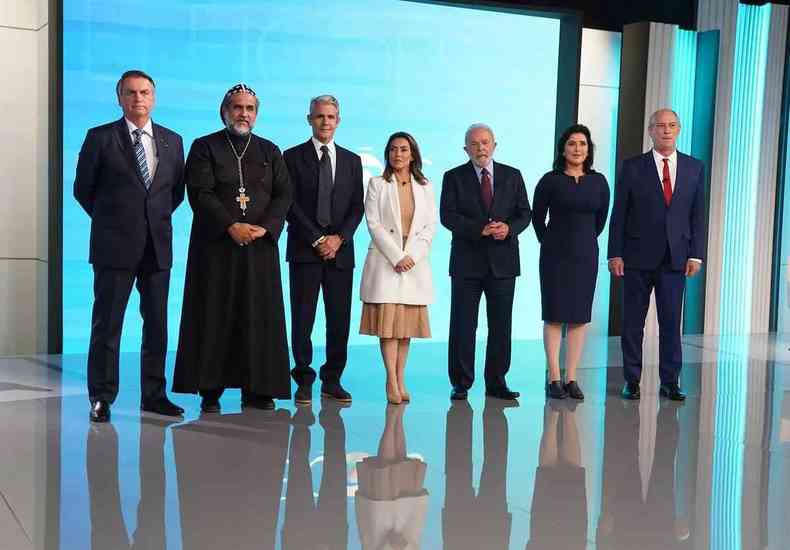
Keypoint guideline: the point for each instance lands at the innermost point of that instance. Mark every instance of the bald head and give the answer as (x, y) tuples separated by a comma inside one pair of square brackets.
[(652, 120), (663, 128)]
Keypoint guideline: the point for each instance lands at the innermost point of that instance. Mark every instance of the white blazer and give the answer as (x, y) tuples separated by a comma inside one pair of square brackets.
[(381, 284)]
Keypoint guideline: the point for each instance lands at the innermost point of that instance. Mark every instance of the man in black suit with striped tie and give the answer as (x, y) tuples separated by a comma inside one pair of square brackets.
[(129, 181)]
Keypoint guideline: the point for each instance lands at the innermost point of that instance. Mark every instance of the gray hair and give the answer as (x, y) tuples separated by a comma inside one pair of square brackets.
[(652, 120), (325, 98), (479, 126), (223, 108)]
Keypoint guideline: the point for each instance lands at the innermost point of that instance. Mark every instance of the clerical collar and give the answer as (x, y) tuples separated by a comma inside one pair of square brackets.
[(238, 141)]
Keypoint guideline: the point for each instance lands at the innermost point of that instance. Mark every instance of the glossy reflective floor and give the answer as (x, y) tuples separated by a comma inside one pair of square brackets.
[(713, 473)]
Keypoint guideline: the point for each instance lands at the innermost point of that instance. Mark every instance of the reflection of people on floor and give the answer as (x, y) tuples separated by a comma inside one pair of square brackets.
[(308, 526), (230, 476), (108, 530), (481, 521), (559, 503), (391, 502), (640, 508)]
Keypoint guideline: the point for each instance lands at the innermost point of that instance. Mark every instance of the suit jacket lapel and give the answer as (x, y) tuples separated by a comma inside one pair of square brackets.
[(394, 200), (310, 156), (419, 206), (339, 187), (681, 177), (162, 146), (125, 142), (499, 189), (655, 181), (474, 186)]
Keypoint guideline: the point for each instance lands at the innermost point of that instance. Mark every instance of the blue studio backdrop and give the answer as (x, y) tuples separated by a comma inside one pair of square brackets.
[(428, 69)]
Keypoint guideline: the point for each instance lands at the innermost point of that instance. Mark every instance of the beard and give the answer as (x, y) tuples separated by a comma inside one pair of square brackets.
[(241, 130)]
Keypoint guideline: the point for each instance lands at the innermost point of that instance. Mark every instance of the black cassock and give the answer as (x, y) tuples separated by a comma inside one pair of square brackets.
[(233, 319)]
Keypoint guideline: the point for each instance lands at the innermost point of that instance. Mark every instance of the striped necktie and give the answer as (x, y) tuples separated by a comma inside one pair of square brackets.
[(139, 153)]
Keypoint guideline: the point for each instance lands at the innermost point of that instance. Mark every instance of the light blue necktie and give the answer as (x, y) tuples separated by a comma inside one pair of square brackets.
[(139, 153)]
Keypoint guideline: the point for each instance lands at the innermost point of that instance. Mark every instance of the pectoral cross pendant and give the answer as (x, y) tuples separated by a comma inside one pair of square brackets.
[(242, 198)]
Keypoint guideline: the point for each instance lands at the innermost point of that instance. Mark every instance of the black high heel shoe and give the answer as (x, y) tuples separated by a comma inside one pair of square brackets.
[(574, 391), (555, 390)]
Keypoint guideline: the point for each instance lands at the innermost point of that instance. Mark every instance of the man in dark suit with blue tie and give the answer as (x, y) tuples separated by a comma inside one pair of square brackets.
[(129, 181), (485, 206), (656, 240), (326, 211)]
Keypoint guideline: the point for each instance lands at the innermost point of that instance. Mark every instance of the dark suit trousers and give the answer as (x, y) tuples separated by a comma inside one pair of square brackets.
[(464, 306), (637, 286), (111, 289), (306, 280)]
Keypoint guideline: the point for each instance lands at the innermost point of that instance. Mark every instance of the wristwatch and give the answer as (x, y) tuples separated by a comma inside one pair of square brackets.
[(320, 239)]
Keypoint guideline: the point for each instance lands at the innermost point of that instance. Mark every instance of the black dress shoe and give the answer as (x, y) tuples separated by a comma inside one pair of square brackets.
[(503, 393), (631, 391), (304, 395), (258, 402), (100, 411), (574, 391), (458, 394), (335, 391), (162, 406), (210, 405), (672, 392), (556, 390)]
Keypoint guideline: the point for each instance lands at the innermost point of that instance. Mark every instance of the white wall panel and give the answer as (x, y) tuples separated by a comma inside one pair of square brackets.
[(599, 94), (24, 177), (600, 59), (42, 146), (18, 137), (20, 317), (719, 15), (766, 193), (20, 13)]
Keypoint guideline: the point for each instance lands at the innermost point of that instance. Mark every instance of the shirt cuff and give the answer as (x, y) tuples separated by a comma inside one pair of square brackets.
[(695, 260)]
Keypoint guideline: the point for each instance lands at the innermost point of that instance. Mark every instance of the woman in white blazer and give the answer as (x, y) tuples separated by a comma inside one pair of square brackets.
[(396, 280)]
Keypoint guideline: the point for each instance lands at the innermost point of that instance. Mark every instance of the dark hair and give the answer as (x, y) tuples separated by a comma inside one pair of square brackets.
[(416, 159), (559, 161), (134, 73)]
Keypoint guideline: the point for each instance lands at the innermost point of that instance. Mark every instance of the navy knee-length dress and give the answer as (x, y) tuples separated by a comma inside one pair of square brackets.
[(577, 213)]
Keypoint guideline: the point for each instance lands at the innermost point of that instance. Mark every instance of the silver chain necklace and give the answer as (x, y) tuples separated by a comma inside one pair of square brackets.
[(242, 198)]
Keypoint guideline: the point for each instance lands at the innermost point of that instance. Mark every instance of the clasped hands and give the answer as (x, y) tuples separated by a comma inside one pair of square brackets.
[(498, 230), (244, 233), (329, 247), (404, 265), (617, 267)]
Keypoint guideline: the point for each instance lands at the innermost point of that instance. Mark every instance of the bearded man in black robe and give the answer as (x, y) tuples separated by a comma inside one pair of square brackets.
[(233, 319)]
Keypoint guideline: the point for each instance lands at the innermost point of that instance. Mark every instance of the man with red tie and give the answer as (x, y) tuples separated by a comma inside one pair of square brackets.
[(656, 240), (485, 206)]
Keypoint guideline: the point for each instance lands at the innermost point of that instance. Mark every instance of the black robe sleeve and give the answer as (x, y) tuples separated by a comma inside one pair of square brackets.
[(200, 184), (274, 217)]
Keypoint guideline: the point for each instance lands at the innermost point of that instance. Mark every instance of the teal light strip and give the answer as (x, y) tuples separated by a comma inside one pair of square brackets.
[(730, 427), (684, 69), (751, 46)]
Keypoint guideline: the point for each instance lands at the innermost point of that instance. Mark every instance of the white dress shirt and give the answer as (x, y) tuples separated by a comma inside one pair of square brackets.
[(149, 146), (673, 172), (332, 153), (490, 169)]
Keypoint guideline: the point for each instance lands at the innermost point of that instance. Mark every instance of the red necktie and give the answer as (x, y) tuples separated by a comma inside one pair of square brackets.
[(485, 189), (667, 183)]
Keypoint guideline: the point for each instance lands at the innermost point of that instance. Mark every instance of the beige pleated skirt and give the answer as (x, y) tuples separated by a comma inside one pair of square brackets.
[(395, 321)]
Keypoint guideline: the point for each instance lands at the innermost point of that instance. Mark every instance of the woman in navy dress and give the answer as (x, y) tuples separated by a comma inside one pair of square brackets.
[(576, 199)]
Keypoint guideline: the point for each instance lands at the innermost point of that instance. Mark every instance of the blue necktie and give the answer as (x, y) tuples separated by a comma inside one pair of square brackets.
[(139, 153)]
